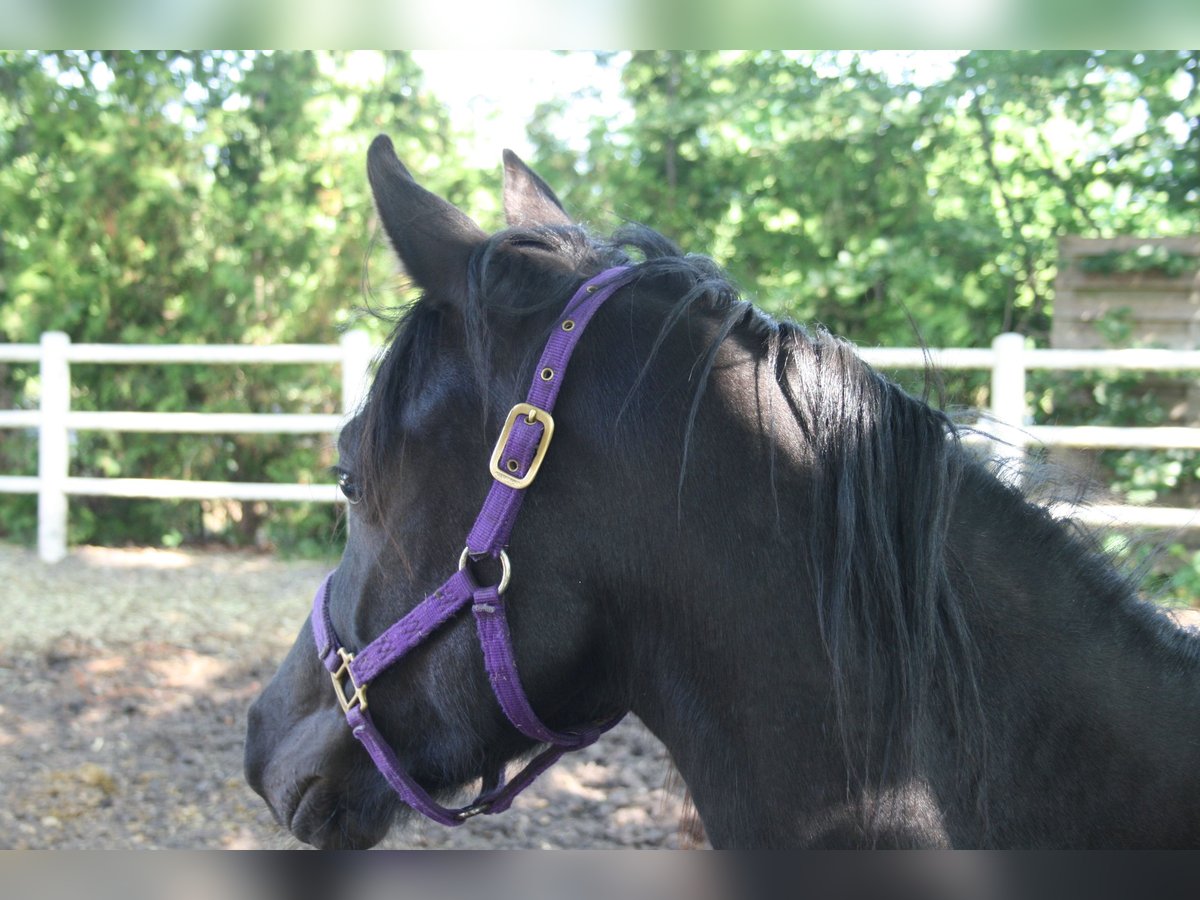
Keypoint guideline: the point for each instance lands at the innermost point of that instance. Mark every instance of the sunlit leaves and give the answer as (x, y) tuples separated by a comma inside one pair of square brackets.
[(846, 188), (194, 197)]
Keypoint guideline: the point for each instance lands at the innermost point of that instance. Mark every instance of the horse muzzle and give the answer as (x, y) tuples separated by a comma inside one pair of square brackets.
[(316, 780)]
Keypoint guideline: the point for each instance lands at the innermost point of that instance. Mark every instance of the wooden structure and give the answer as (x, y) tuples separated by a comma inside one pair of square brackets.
[(1102, 302), (1094, 309)]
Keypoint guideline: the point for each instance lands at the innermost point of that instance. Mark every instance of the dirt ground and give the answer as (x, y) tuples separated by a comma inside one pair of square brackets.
[(125, 676), (124, 681)]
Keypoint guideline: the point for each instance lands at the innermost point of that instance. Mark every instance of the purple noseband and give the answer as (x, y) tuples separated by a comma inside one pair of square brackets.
[(518, 455)]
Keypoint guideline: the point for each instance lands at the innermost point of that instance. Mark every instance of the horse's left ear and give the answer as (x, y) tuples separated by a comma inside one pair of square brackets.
[(433, 239), (528, 201)]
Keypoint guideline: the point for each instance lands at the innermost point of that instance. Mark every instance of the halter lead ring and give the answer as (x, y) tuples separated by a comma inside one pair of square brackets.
[(516, 460), (505, 568)]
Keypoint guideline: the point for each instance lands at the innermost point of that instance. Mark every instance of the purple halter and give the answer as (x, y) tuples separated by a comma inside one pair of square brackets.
[(515, 461)]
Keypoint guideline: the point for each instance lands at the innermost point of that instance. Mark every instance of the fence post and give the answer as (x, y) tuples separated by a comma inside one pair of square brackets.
[(356, 361), (54, 452), (1008, 403)]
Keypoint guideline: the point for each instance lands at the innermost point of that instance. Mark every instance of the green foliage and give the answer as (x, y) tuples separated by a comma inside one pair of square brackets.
[(1171, 570), (201, 197), (841, 192), (219, 197)]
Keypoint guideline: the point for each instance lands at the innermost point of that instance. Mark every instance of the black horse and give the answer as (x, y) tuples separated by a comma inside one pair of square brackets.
[(844, 627)]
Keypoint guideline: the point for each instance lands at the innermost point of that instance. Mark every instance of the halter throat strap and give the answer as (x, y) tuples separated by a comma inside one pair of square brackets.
[(515, 463)]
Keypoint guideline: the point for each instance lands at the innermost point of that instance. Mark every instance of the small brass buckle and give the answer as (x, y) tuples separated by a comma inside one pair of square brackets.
[(359, 697), (532, 414), (474, 809)]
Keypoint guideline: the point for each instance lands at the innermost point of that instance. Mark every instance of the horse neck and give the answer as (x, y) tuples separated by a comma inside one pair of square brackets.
[(744, 649), (710, 683), (1092, 695), (1049, 707), (1092, 703)]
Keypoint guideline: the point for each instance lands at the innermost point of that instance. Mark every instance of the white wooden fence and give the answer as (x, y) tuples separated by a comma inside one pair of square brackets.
[(1008, 359), (54, 421)]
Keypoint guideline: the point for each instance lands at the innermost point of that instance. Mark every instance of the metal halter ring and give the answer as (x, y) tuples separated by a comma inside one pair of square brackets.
[(505, 568)]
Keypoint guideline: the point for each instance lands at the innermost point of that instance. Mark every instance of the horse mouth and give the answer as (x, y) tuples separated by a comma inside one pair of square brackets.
[(320, 818), (306, 820)]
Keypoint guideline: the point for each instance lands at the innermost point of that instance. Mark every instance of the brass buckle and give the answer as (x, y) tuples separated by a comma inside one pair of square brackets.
[(474, 809), (359, 697), (532, 414)]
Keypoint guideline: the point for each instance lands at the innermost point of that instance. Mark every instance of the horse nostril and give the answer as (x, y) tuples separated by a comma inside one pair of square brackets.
[(291, 815)]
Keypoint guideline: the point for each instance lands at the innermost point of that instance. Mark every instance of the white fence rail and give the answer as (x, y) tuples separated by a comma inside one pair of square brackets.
[(1008, 359), (54, 421)]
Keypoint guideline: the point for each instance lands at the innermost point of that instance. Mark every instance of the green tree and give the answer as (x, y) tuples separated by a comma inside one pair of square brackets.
[(214, 197), (837, 191)]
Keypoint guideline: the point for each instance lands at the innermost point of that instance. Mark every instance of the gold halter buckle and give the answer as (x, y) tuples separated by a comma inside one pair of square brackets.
[(532, 414)]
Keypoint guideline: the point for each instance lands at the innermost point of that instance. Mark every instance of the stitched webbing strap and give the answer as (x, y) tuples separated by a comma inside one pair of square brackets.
[(498, 658), (495, 521), (413, 628), (490, 802)]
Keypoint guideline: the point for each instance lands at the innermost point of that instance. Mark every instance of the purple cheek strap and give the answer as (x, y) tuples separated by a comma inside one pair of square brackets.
[(514, 465)]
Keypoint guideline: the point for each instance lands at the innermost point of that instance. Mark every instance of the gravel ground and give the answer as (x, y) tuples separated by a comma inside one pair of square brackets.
[(124, 680)]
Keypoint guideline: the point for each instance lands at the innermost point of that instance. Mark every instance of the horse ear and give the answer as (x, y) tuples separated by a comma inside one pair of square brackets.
[(528, 200), (433, 239)]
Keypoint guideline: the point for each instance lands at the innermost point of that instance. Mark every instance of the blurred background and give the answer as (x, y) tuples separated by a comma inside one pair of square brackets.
[(220, 197)]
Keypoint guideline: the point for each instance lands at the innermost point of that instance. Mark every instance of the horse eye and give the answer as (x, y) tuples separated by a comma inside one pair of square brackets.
[(348, 486)]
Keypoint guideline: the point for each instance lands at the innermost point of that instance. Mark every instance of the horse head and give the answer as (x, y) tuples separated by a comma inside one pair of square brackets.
[(414, 465)]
